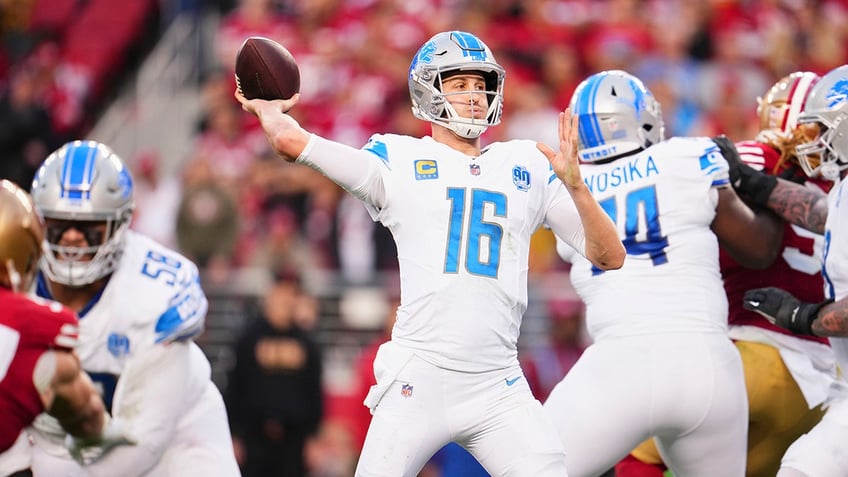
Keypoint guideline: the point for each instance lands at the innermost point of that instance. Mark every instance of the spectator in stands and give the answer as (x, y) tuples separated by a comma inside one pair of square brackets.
[(207, 220), (545, 366), (274, 395), (25, 130)]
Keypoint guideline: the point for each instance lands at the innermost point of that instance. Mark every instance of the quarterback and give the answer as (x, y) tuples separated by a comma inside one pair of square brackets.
[(462, 218)]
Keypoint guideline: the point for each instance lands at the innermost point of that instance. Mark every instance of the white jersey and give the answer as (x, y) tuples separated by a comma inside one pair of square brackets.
[(154, 296), (135, 343), (462, 226), (821, 452), (835, 259), (662, 201)]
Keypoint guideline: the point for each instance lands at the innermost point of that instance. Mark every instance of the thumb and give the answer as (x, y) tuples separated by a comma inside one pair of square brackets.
[(754, 298)]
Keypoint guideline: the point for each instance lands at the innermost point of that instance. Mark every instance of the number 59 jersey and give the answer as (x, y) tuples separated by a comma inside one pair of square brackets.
[(462, 225), (663, 201)]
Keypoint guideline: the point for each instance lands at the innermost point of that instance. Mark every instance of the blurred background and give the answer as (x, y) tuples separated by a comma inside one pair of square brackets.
[(154, 80)]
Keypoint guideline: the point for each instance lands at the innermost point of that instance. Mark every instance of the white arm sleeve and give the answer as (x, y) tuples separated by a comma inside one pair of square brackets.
[(564, 221), (154, 391), (355, 170)]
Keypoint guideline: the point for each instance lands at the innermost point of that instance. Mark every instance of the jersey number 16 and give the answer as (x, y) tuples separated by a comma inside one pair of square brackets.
[(482, 239)]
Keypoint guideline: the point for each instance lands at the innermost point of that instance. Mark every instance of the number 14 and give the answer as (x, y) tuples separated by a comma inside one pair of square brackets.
[(640, 209)]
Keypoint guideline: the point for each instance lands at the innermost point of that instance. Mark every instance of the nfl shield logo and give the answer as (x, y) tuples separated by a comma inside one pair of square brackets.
[(406, 390), (475, 169)]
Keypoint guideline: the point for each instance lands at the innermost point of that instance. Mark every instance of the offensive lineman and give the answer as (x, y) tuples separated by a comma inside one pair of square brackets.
[(661, 362)]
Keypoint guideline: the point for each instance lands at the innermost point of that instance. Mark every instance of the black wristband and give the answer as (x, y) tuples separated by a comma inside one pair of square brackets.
[(801, 322), (755, 185)]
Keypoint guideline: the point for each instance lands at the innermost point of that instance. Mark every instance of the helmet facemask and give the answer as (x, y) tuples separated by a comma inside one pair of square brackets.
[(81, 265), (444, 55)]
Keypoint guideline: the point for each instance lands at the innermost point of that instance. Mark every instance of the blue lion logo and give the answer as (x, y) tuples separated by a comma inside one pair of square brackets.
[(837, 94), (640, 103), (425, 55)]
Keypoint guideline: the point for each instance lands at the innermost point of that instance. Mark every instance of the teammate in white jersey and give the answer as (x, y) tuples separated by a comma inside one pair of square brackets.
[(661, 363), (788, 376), (822, 451), (462, 218), (140, 304)]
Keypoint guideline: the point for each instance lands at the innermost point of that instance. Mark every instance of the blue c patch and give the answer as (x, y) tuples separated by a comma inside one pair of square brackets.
[(426, 169)]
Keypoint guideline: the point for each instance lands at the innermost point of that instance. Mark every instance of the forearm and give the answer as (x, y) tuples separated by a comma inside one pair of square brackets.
[(76, 404), (799, 205), (284, 134), (755, 254), (603, 246), (832, 320), (86, 422)]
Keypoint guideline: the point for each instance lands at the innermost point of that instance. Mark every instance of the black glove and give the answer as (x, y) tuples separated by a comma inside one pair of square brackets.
[(754, 185), (783, 309)]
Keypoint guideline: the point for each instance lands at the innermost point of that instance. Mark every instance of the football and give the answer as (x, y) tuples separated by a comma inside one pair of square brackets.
[(265, 69)]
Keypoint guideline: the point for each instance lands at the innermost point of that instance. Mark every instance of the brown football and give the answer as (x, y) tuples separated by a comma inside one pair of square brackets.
[(265, 69)]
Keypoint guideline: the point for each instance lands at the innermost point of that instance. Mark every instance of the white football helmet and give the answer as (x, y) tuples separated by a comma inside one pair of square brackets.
[(616, 115), (448, 52), (827, 107), (81, 183)]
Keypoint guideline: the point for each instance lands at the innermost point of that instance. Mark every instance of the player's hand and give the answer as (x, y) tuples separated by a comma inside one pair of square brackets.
[(565, 163), (89, 451), (751, 184), (781, 308), (259, 106), (283, 132)]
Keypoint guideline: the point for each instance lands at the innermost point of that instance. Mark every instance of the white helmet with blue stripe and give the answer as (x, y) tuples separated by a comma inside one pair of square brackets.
[(83, 183), (450, 52), (617, 115), (826, 107)]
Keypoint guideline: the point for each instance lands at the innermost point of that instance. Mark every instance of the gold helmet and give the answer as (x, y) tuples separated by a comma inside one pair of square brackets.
[(784, 101), (21, 235), (779, 110)]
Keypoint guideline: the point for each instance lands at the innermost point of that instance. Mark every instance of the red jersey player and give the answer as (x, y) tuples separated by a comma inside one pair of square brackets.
[(787, 375), (39, 371)]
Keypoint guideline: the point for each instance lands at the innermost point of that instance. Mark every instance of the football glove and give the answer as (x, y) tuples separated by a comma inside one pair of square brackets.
[(782, 309), (751, 184), (89, 451)]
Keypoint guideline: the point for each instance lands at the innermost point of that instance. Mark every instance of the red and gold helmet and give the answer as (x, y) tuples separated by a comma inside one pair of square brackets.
[(21, 235), (779, 110), (780, 107)]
